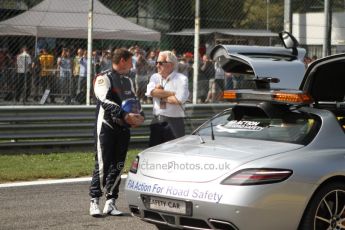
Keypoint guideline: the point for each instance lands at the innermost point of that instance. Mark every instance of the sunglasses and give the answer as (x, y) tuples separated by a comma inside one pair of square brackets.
[(161, 62)]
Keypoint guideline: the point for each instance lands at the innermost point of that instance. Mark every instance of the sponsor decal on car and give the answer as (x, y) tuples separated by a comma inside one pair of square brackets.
[(170, 190), (237, 126)]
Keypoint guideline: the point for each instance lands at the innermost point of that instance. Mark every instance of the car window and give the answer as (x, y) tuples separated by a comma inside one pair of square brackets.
[(243, 81), (292, 127)]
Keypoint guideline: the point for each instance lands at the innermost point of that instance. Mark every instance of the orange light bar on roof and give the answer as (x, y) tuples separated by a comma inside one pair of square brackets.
[(295, 98), (229, 94)]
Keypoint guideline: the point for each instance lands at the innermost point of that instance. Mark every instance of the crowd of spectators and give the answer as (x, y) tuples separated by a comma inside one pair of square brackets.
[(61, 77), (27, 78)]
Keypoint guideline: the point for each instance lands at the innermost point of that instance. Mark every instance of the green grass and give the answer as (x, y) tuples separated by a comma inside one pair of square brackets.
[(26, 167)]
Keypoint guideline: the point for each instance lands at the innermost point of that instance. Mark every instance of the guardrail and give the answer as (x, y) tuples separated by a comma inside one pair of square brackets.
[(59, 128)]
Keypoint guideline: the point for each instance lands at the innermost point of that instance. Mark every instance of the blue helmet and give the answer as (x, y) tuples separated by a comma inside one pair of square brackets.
[(131, 105)]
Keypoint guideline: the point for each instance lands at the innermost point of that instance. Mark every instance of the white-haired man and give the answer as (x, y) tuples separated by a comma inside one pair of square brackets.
[(169, 90)]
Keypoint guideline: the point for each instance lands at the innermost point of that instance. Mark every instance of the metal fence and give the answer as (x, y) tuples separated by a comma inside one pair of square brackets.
[(60, 128), (53, 70)]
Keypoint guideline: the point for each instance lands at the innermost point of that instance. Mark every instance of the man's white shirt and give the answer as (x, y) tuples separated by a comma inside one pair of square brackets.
[(23, 62), (175, 82)]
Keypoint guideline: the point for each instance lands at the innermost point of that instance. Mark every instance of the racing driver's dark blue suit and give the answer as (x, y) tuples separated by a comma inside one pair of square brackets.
[(112, 134)]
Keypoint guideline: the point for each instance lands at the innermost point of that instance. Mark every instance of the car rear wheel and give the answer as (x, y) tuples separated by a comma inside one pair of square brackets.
[(326, 210)]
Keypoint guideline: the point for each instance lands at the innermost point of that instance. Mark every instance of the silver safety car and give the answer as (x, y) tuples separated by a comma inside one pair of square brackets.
[(275, 159)]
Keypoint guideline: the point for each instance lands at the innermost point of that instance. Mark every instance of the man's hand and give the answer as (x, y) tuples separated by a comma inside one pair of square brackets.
[(159, 86), (159, 92), (133, 119)]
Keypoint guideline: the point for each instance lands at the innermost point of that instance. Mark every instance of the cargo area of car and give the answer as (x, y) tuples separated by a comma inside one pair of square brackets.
[(326, 85)]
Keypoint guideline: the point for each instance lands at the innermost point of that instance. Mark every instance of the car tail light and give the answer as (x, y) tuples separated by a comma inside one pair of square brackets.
[(257, 176), (135, 165)]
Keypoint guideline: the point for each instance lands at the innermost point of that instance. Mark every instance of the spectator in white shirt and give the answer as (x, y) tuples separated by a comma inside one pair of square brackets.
[(23, 82), (169, 90)]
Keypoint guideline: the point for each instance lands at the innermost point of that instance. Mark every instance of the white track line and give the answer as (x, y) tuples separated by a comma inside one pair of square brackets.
[(47, 182)]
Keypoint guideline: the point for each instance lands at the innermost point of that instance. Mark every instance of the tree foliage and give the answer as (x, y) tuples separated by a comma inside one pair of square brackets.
[(221, 13), (264, 14)]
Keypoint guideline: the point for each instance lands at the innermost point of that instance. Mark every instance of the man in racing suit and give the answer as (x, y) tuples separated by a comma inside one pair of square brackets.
[(112, 132)]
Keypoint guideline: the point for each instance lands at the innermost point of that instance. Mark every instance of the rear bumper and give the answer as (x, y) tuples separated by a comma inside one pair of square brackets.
[(216, 206)]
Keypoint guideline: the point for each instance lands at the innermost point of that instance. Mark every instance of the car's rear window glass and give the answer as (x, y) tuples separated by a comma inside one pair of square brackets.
[(291, 127)]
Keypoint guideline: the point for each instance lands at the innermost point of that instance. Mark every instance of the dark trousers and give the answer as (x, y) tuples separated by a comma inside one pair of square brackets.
[(36, 86), (111, 150), (74, 85), (163, 129), (23, 86), (48, 82)]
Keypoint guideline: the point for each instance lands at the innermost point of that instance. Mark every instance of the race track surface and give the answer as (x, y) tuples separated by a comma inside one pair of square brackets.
[(59, 206)]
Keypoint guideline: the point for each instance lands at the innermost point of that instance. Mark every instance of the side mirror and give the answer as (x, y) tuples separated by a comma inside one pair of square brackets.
[(289, 41)]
